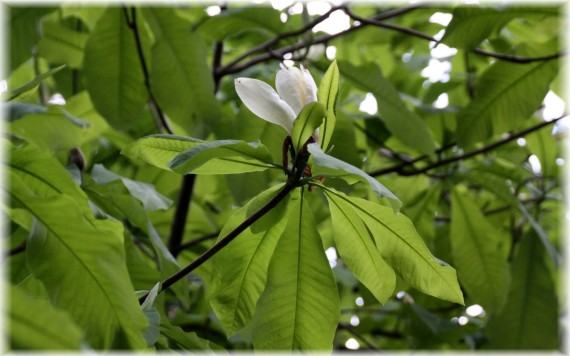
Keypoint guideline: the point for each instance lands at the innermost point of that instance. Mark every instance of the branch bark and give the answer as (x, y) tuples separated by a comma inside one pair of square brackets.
[(400, 169)]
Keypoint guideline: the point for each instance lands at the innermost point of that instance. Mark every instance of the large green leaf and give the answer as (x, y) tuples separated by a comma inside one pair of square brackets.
[(327, 95), (112, 71), (159, 150), (481, 265), (306, 123), (179, 76), (506, 94), (234, 21), (60, 45), (186, 340), (403, 123), (356, 248), (82, 266), (471, 25), (299, 308), (329, 166), (34, 324), (223, 157), (239, 270), (52, 130), (529, 320), (404, 250)]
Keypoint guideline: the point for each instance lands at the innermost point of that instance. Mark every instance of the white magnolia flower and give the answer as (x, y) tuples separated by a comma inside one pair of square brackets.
[(295, 89)]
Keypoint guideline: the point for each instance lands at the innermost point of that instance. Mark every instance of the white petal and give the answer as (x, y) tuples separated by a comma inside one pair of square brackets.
[(291, 87), (263, 101), (311, 94)]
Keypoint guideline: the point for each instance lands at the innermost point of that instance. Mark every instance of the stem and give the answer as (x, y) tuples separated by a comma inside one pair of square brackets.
[(16, 250), (196, 241), (351, 330), (399, 168), (181, 213), (161, 120), (287, 188)]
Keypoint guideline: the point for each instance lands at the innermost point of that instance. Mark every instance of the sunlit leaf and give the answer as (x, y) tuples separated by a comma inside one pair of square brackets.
[(481, 265), (299, 309), (327, 95), (308, 120), (240, 269), (34, 324), (356, 247), (223, 157), (404, 250), (328, 166)]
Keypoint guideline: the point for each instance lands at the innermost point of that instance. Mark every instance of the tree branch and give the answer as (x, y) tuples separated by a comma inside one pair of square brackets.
[(196, 241), (412, 32), (287, 188), (16, 250), (234, 67), (160, 118), (400, 168), (351, 330)]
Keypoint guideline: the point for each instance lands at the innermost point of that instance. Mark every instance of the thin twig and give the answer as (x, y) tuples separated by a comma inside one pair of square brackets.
[(196, 241), (287, 188), (232, 68), (399, 168), (351, 330), (16, 250), (494, 210), (181, 213), (161, 120), (412, 32)]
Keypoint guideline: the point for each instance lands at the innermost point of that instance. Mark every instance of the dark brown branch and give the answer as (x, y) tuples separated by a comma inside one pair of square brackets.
[(232, 68), (181, 213), (196, 241), (412, 32), (16, 250), (287, 188), (399, 168), (351, 330), (161, 120)]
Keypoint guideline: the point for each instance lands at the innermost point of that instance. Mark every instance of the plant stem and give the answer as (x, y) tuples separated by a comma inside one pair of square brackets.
[(287, 188), (401, 171)]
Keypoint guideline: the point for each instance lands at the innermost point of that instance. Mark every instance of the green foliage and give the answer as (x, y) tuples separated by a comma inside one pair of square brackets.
[(134, 171)]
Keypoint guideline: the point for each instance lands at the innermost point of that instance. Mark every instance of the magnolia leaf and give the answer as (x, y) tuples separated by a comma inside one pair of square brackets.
[(329, 166), (306, 123), (299, 309), (356, 248), (404, 250), (483, 268), (223, 157), (327, 95), (240, 269)]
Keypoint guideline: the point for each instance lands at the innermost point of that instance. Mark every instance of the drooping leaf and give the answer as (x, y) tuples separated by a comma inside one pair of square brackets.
[(497, 106), (179, 76), (404, 250), (325, 165), (82, 266), (159, 150), (541, 234), (306, 123), (481, 265), (404, 124), (356, 247), (144, 192), (35, 324), (223, 157), (469, 26), (16, 92), (239, 270), (299, 308), (112, 71), (327, 95), (529, 320)]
